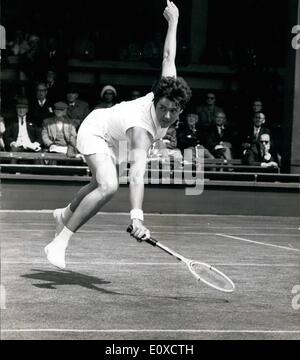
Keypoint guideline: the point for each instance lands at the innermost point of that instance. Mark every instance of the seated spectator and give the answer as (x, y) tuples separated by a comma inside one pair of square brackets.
[(41, 108), (207, 112), (135, 94), (18, 45), (108, 95), (54, 86), (167, 146), (21, 133), (189, 137), (2, 131), (30, 61), (262, 153), (77, 109), (59, 133), (257, 106), (251, 134), (220, 138)]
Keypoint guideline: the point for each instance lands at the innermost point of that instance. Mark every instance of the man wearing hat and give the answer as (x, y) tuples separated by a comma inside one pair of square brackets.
[(21, 133), (58, 132), (77, 109), (108, 95)]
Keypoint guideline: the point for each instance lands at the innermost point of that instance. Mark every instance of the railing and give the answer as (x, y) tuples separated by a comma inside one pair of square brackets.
[(16, 165)]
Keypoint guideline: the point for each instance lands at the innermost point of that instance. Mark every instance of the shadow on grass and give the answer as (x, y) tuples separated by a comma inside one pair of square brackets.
[(53, 279), (58, 278)]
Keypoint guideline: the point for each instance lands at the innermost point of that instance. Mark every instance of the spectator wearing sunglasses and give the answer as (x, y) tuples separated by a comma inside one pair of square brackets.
[(263, 153), (207, 112), (252, 134)]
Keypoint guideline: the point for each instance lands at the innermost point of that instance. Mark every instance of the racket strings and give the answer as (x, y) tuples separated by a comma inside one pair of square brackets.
[(211, 276)]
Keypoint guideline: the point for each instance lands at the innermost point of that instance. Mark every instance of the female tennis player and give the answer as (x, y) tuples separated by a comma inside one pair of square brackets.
[(139, 122)]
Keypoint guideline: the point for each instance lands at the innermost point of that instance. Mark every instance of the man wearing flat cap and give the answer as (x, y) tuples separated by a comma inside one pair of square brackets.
[(21, 133), (58, 132), (77, 109)]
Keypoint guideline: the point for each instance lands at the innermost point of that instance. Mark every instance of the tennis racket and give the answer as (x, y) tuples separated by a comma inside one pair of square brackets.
[(206, 273)]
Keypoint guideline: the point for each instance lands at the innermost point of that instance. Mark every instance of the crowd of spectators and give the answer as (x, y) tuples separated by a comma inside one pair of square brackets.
[(48, 121), (49, 111)]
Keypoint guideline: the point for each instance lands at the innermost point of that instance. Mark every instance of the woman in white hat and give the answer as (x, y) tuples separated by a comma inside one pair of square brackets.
[(108, 96)]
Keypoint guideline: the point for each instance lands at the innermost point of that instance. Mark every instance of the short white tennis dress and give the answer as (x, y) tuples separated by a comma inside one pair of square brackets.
[(103, 130)]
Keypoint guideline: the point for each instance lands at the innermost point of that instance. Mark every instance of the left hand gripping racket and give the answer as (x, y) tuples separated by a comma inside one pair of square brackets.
[(206, 273)]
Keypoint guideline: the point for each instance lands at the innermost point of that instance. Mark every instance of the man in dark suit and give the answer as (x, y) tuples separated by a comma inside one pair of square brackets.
[(207, 112), (252, 134), (55, 86), (21, 133), (190, 137), (262, 153), (78, 109), (41, 108), (220, 137)]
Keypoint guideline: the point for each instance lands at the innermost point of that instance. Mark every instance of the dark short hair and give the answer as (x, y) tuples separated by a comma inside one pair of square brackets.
[(174, 89)]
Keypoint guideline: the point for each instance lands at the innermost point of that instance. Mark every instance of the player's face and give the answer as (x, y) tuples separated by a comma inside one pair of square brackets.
[(167, 112)]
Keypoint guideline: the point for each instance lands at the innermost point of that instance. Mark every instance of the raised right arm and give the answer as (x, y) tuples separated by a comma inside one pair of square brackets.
[(171, 14)]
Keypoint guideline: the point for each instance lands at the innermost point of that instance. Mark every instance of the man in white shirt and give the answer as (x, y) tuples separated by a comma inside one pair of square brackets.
[(22, 134)]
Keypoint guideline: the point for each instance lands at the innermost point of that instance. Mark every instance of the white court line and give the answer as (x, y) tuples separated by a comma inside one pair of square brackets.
[(7, 262), (51, 223), (46, 211), (227, 331), (258, 242), (178, 233)]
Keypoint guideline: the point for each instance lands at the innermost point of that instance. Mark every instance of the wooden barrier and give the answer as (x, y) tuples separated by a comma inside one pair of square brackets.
[(159, 172), (54, 163)]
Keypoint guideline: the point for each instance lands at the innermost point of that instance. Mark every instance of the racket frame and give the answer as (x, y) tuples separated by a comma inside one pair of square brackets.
[(189, 263)]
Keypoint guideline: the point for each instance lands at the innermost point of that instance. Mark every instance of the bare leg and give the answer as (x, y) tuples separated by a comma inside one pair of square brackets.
[(105, 185), (62, 216), (87, 203), (84, 191)]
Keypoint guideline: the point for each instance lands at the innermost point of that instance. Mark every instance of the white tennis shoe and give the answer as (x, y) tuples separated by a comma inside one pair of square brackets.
[(58, 217), (55, 252)]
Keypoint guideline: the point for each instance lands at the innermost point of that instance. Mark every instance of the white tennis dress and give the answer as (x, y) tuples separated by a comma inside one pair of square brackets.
[(104, 130)]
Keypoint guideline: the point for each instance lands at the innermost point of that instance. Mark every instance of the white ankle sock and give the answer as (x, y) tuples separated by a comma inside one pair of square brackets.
[(64, 237)]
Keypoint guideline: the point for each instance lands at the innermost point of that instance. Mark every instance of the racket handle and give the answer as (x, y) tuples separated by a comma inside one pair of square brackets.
[(150, 241)]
